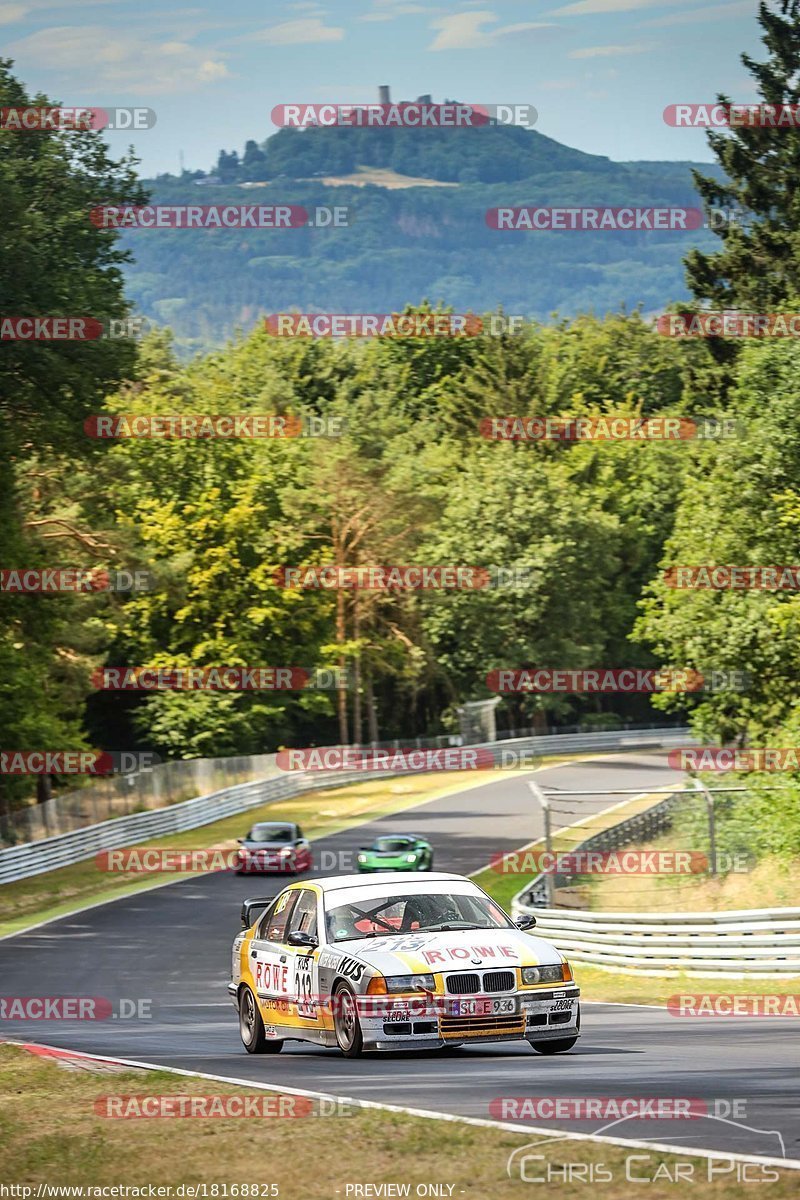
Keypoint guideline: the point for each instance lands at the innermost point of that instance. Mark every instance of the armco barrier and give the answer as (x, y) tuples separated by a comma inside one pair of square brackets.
[(34, 858), (747, 943)]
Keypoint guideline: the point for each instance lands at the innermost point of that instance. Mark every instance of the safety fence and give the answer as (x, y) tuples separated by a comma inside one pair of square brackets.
[(34, 858), (751, 942)]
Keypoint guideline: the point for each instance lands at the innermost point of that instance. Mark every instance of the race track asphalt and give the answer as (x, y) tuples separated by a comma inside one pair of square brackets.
[(171, 947)]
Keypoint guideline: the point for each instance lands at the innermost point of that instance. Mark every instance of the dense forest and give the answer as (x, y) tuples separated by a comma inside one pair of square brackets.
[(408, 479), (403, 244)]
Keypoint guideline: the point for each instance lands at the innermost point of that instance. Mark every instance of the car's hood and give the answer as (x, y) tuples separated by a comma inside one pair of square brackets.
[(271, 846), (462, 950)]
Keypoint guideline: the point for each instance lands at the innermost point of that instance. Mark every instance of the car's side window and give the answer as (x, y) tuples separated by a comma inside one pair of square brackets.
[(298, 833), (275, 919), (304, 914)]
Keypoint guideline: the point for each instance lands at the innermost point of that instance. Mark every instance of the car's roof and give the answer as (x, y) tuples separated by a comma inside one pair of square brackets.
[(350, 881)]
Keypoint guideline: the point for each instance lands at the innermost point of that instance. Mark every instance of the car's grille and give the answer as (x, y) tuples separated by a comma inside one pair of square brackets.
[(498, 981), (461, 985), (508, 1023), (489, 981)]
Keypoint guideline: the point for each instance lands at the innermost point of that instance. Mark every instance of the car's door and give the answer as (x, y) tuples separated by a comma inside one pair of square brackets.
[(270, 964), (304, 960)]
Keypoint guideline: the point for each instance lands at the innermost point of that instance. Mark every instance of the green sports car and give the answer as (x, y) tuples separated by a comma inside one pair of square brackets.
[(396, 852)]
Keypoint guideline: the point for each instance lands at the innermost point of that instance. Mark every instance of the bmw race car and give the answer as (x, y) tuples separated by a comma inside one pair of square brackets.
[(273, 846), (428, 960), (397, 852)]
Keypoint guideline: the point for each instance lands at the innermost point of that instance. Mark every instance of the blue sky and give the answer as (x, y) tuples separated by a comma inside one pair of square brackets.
[(599, 72)]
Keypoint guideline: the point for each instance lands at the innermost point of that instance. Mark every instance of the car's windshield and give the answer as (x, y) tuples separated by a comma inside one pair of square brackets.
[(412, 912), (271, 833), (393, 844)]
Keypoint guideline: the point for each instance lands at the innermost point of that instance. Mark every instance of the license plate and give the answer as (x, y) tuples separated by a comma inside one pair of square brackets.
[(483, 1008), (560, 1005)]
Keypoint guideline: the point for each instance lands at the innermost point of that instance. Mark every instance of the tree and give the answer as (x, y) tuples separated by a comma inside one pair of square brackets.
[(53, 262), (759, 263)]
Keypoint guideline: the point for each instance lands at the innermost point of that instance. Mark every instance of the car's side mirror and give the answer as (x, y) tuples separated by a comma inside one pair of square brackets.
[(241, 841), (300, 937), (526, 922)]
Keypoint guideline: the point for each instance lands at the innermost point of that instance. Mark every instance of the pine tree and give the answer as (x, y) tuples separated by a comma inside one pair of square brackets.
[(758, 266)]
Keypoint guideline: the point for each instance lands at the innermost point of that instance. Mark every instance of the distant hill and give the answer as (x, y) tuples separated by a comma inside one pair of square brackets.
[(410, 243)]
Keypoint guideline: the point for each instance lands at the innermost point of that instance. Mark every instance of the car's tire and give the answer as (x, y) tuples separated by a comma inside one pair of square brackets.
[(556, 1046), (251, 1027), (346, 1024), (430, 864)]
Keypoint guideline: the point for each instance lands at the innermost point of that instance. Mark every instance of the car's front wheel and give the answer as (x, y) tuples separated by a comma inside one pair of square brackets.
[(346, 1024), (251, 1027)]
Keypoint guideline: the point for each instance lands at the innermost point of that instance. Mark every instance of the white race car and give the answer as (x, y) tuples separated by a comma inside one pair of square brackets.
[(424, 960)]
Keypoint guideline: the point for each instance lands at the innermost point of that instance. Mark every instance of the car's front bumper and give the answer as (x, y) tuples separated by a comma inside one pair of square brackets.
[(546, 1015)]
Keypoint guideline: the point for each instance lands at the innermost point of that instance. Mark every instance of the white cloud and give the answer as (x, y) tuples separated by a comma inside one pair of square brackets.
[(587, 7), (607, 51), (464, 30), (118, 60), (389, 10), (12, 12), (298, 33), (9, 13)]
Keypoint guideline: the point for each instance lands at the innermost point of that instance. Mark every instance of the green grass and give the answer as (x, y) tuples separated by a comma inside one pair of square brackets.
[(51, 1133)]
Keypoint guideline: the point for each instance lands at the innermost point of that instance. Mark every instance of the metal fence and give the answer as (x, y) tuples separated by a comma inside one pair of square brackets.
[(104, 799), (754, 942), (33, 858), (639, 827)]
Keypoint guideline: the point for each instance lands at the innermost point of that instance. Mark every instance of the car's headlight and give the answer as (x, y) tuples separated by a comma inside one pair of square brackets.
[(362, 858), (410, 983), (555, 974), (285, 851), (411, 858)]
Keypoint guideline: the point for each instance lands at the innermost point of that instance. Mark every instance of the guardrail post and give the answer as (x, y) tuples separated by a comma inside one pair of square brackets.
[(548, 838), (712, 830)]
